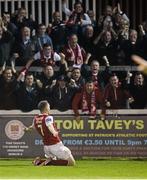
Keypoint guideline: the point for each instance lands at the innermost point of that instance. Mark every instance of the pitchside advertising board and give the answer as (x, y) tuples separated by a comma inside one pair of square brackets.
[(121, 136)]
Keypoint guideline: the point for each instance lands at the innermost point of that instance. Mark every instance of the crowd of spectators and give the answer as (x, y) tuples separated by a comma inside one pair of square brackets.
[(70, 54)]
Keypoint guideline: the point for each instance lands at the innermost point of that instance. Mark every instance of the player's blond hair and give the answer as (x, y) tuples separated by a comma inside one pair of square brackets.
[(42, 105)]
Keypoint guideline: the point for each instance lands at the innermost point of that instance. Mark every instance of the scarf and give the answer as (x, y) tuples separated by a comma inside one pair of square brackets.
[(47, 60), (95, 80), (78, 58), (85, 109), (75, 18)]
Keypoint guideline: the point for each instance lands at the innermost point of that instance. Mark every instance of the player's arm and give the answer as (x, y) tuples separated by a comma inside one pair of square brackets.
[(142, 64), (52, 130), (30, 128), (49, 124)]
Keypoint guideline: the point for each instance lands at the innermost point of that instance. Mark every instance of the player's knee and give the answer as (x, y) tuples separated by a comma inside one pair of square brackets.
[(71, 162), (67, 153)]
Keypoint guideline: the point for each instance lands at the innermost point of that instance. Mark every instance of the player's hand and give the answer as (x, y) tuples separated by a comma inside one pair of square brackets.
[(142, 64), (26, 129)]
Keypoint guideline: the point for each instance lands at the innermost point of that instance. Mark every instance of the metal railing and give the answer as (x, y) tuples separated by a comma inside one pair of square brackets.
[(41, 10), (112, 68)]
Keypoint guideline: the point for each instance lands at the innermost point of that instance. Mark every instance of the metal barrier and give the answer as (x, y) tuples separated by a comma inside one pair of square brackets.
[(112, 68), (41, 10)]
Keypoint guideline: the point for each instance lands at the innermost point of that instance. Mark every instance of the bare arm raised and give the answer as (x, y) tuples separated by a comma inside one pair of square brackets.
[(142, 64)]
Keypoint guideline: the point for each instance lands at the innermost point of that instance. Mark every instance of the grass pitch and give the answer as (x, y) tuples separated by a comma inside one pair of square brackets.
[(84, 169)]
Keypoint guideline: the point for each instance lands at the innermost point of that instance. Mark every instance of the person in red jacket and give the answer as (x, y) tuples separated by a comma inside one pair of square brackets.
[(88, 100), (53, 146)]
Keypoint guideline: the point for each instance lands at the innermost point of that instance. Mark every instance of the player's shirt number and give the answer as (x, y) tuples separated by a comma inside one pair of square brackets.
[(41, 129)]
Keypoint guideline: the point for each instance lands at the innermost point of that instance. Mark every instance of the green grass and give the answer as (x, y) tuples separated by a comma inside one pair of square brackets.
[(84, 169)]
